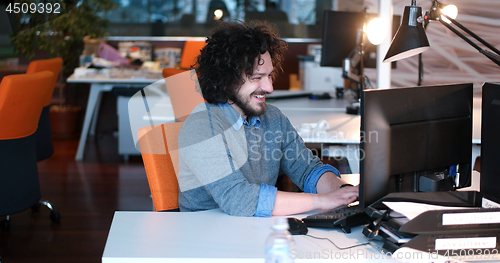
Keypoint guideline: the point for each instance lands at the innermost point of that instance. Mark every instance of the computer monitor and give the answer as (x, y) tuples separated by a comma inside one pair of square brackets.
[(413, 138), (490, 141), (339, 38)]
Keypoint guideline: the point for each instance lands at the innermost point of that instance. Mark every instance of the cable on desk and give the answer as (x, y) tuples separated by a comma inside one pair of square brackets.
[(325, 238)]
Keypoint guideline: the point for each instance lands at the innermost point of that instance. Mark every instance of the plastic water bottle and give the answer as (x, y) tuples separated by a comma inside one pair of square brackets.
[(279, 243)]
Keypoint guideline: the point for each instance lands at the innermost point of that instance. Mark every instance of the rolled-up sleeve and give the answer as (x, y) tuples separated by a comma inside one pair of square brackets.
[(265, 203), (312, 179)]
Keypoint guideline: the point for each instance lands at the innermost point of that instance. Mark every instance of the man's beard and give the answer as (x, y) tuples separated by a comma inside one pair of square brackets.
[(244, 105)]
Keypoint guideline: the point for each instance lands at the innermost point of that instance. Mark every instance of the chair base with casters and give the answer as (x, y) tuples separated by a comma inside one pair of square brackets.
[(18, 178)]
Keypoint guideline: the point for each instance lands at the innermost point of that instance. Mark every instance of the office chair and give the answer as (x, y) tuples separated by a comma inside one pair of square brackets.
[(21, 102), (160, 156), (183, 90), (44, 147), (189, 54)]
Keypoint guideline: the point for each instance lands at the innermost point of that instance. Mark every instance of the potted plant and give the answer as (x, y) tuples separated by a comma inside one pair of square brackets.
[(59, 32)]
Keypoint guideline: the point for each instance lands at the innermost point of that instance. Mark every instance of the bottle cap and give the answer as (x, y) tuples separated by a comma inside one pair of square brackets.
[(280, 223)]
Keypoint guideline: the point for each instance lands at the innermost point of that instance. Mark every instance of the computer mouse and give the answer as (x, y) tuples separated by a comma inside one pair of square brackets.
[(297, 226)]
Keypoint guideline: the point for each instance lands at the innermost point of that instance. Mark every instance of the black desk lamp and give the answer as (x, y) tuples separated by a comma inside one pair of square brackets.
[(411, 40), (355, 60)]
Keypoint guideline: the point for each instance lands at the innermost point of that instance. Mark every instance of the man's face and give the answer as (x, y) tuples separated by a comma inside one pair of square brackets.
[(251, 96)]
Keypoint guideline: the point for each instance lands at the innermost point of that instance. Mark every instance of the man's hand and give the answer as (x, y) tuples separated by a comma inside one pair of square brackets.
[(288, 203), (330, 196), (336, 198)]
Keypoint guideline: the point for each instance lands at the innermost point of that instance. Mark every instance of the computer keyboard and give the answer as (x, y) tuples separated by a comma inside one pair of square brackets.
[(343, 217)]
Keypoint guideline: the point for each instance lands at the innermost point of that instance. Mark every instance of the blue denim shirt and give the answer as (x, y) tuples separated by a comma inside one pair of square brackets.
[(240, 180)]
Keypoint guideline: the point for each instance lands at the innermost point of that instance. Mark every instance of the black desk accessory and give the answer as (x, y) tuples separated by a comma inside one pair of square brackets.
[(297, 226), (458, 225), (291, 95), (463, 221), (323, 96), (428, 243), (344, 218)]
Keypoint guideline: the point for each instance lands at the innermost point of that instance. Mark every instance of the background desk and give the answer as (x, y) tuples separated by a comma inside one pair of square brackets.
[(342, 137), (211, 236), (98, 85)]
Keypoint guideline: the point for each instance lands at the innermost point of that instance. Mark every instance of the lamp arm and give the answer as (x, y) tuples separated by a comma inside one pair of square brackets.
[(461, 35), (472, 34), (492, 56)]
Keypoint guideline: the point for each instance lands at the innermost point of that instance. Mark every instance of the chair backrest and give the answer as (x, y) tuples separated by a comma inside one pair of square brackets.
[(21, 103), (190, 52), (168, 72), (183, 90), (53, 65), (159, 150)]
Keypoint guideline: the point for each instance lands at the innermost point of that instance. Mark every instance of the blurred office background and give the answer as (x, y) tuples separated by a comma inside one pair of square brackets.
[(88, 192), (449, 60)]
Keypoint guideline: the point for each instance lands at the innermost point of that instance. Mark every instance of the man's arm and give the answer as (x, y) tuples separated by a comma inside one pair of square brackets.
[(329, 182)]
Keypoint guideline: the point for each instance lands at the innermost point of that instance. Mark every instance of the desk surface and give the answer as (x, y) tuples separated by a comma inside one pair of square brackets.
[(343, 128), (144, 79), (212, 236)]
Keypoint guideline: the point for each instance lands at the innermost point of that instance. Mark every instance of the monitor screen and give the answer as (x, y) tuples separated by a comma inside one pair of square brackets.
[(415, 139), (340, 30), (490, 141)]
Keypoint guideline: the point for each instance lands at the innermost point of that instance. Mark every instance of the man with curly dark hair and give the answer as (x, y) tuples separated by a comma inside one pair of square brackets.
[(233, 148)]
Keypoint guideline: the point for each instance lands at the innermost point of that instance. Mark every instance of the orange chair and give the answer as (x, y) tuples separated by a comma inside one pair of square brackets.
[(159, 152), (183, 90), (190, 52), (44, 147), (21, 102)]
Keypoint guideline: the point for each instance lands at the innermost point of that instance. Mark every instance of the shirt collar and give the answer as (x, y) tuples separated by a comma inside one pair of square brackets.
[(236, 119)]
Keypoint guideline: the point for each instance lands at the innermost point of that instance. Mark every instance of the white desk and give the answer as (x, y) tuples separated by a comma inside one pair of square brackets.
[(212, 236), (99, 84), (342, 137)]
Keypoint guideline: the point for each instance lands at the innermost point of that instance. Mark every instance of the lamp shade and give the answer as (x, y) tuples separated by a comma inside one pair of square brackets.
[(410, 39)]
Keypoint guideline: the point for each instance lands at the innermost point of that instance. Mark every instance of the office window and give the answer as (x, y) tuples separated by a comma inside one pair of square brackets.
[(294, 18)]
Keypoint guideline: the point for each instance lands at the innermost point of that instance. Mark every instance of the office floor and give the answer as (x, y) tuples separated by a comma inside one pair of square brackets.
[(86, 194)]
